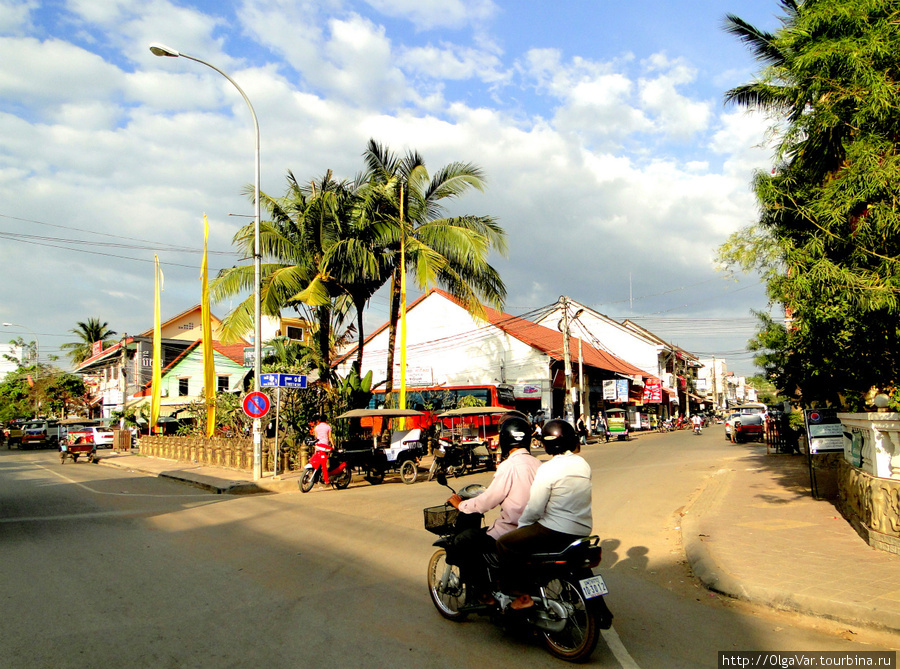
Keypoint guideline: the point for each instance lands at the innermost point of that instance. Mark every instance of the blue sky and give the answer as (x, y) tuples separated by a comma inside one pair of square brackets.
[(611, 161)]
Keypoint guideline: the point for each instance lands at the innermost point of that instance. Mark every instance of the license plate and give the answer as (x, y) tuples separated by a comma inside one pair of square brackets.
[(593, 587)]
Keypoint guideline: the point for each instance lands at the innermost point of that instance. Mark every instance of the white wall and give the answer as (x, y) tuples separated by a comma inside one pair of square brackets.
[(459, 350)]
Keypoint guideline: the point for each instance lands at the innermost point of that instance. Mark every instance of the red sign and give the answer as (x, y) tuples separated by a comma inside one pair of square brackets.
[(256, 405), (96, 348), (652, 391)]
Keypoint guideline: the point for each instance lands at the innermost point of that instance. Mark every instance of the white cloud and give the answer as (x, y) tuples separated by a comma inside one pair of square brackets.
[(15, 16), (453, 62)]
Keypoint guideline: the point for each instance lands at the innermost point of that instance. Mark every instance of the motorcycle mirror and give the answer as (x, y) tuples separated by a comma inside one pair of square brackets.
[(442, 479)]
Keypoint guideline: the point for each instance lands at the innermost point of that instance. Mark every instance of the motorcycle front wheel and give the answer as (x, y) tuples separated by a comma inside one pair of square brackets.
[(308, 480), (577, 640), (448, 594), (342, 480), (433, 470)]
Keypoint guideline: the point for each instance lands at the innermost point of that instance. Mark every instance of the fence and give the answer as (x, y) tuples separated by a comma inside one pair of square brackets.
[(227, 452)]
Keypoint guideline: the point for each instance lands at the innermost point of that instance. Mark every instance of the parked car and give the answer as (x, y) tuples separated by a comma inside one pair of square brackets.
[(748, 426), (41, 434), (101, 437)]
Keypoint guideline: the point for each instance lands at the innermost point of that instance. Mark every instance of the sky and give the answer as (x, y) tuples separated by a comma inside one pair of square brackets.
[(611, 160)]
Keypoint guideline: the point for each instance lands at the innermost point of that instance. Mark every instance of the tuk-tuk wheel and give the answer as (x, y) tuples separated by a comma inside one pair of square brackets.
[(409, 472), (375, 476), (74, 458)]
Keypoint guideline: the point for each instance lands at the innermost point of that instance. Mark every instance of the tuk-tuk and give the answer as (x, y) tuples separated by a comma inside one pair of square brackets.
[(468, 440), (617, 423), (363, 449)]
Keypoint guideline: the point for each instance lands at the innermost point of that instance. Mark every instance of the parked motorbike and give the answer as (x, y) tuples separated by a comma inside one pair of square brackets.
[(451, 459), (569, 610), (339, 473)]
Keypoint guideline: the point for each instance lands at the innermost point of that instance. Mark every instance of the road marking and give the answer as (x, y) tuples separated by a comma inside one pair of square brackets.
[(618, 649), (73, 516), (113, 494)]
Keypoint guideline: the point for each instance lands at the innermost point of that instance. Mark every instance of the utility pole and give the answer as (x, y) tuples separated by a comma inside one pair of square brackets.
[(580, 379), (569, 404)]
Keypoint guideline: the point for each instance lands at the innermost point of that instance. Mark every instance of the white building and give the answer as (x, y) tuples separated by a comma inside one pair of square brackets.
[(447, 346)]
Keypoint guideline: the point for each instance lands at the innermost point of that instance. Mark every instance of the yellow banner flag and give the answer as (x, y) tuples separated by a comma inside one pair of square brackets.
[(155, 389), (209, 365)]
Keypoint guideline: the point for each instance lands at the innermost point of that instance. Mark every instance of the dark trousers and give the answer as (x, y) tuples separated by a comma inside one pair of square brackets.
[(517, 546), (469, 547)]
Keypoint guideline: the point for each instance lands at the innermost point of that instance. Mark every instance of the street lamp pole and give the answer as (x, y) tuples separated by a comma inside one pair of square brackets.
[(162, 50), (37, 344)]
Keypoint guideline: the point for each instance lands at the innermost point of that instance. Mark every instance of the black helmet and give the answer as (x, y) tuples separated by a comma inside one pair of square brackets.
[(558, 437), (515, 432)]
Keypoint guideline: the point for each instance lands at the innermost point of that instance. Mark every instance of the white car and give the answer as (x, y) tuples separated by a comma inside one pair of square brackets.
[(101, 437)]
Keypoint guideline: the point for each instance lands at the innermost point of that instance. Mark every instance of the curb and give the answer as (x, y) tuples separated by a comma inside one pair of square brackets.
[(718, 579)]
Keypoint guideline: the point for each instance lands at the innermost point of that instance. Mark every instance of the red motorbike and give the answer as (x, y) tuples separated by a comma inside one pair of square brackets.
[(339, 473)]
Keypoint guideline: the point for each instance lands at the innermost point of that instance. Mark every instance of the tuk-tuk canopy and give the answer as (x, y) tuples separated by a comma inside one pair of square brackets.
[(380, 413), (478, 411)]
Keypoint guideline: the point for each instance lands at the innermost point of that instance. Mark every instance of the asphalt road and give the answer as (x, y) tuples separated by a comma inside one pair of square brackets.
[(104, 568)]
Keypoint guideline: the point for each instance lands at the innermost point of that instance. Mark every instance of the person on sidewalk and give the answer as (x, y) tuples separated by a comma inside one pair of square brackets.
[(509, 489), (558, 510), (324, 442), (582, 430)]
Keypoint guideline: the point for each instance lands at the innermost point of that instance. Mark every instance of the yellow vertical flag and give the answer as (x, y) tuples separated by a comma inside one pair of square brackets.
[(155, 390), (209, 365)]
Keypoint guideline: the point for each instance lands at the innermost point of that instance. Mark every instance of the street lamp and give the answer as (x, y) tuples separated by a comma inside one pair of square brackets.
[(37, 344), (162, 50)]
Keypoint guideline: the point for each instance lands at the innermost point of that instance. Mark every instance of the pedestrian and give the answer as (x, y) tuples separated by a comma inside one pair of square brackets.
[(582, 430)]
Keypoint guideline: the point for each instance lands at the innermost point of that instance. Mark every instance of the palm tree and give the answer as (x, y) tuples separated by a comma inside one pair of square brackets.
[(448, 251), (323, 260), (88, 333)]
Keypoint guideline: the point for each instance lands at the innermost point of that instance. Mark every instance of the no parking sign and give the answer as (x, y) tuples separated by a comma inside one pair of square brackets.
[(256, 404)]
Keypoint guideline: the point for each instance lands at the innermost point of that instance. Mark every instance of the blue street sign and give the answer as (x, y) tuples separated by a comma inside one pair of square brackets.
[(292, 380), (268, 380), (282, 380)]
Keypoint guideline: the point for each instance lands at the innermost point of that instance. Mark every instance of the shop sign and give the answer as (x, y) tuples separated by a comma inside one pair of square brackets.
[(609, 390), (652, 391), (622, 390), (527, 391)]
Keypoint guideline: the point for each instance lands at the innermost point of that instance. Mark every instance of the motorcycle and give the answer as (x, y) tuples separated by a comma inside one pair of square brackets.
[(452, 459), (569, 610), (698, 429), (339, 473)]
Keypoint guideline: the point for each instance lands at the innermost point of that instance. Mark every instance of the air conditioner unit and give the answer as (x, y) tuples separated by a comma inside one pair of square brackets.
[(164, 392)]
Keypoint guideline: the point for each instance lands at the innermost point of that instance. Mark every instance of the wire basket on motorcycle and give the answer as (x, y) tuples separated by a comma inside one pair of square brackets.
[(441, 519)]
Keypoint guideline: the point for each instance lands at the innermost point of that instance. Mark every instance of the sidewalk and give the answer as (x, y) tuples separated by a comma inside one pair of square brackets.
[(754, 532), (215, 479)]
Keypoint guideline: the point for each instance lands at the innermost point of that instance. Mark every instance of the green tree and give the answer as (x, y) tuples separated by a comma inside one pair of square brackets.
[(322, 257), (88, 332), (828, 237), (448, 251)]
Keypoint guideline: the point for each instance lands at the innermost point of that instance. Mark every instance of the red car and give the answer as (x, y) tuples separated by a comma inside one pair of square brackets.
[(746, 427)]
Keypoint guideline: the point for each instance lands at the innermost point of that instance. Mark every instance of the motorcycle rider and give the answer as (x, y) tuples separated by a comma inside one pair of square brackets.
[(509, 489), (558, 510), (324, 442), (697, 422)]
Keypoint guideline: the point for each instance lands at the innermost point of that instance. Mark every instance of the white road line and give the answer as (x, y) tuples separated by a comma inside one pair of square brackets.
[(114, 494), (618, 649)]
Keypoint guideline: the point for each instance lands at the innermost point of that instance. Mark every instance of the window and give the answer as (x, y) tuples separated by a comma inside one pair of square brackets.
[(222, 384), (183, 387), (294, 333)]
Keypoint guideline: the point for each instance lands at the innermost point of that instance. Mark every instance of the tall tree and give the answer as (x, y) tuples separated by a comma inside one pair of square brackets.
[(448, 251), (321, 259), (828, 237), (88, 332)]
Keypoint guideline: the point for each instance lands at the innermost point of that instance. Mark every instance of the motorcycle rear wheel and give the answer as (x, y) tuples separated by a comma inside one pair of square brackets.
[(342, 480), (308, 480), (448, 601), (577, 640)]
